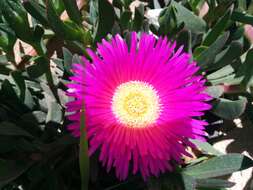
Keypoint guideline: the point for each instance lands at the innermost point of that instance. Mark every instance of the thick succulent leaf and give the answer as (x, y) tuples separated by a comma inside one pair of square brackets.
[(17, 19), (10, 95), (125, 19), (248, 68), (219, 166), (68, 29), (229, 109), (184, 38), (106, 19), (54, 115), (214, 183), (225, 71), (215, 91), (33, 121), (207, 57), (198, 50), (218, 11), (227, 56), (192, 22), (24, 93), (138, 18), (73, 11), (242, 17), (38, 69), (217, 29), (206, 147), (37, 11), (184, 181), (67, 56)]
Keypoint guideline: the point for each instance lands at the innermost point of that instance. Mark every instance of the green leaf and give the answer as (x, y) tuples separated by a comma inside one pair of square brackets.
[(227, 56), (55, 114), (3, 43), (9, 94), (184, 38), (3, 60), (218, 11), (219, 166), (189, 183), (194, 4), (67, 55), (54, 20), (59, 6), (24, 93), (248, 68), (172, 181), (198, 50), (206, 147), (217, 29), (5, 28), (213, 183), (169, 24), (17, 19), (38, 33), (242, 17), (117, 3), (223, 72), (106, 19), (242, 5), (93, 12), (125, 19), (37, 11), (10, 129), (207, 57), (138, 18), (73, 11), (37, 69), (229, 109), (215, 91), (83, 153), (192, 22), (68, 29), (20, 82), (10, 170), (76, 59)]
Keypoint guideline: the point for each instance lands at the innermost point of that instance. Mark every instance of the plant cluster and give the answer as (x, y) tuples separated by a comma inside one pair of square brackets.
[(39, 41)]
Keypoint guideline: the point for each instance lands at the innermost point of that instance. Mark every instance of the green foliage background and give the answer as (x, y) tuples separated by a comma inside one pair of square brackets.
[(36, 150)]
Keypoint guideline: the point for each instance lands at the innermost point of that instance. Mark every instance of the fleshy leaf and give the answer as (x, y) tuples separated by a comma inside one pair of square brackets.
[(229, 109), (219, 166)]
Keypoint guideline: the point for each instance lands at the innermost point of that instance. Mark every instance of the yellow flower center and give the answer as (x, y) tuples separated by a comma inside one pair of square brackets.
[(136, 104)]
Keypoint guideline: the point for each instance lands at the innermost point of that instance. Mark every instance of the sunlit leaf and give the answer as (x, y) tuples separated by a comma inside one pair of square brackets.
[(229, 109), (219, 166)]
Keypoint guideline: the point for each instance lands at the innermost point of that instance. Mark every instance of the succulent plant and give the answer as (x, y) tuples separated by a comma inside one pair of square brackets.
[(41, 39)]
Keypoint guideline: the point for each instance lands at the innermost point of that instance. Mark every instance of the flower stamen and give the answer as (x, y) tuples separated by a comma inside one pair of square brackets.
[(136, 104)]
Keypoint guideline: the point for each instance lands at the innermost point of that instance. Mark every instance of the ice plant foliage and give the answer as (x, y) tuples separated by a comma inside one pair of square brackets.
[(141, 104)]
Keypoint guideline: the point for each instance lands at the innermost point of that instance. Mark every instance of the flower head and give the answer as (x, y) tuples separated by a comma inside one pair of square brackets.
[(140, 104)]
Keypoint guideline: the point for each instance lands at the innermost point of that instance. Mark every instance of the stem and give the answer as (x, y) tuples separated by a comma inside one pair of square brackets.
[(83, 153)]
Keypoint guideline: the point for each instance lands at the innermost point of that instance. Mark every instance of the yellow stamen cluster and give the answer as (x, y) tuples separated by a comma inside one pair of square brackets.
[(136, 104)]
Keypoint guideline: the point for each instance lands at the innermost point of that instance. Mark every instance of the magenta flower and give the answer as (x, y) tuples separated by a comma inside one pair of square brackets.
[(141, 104)]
